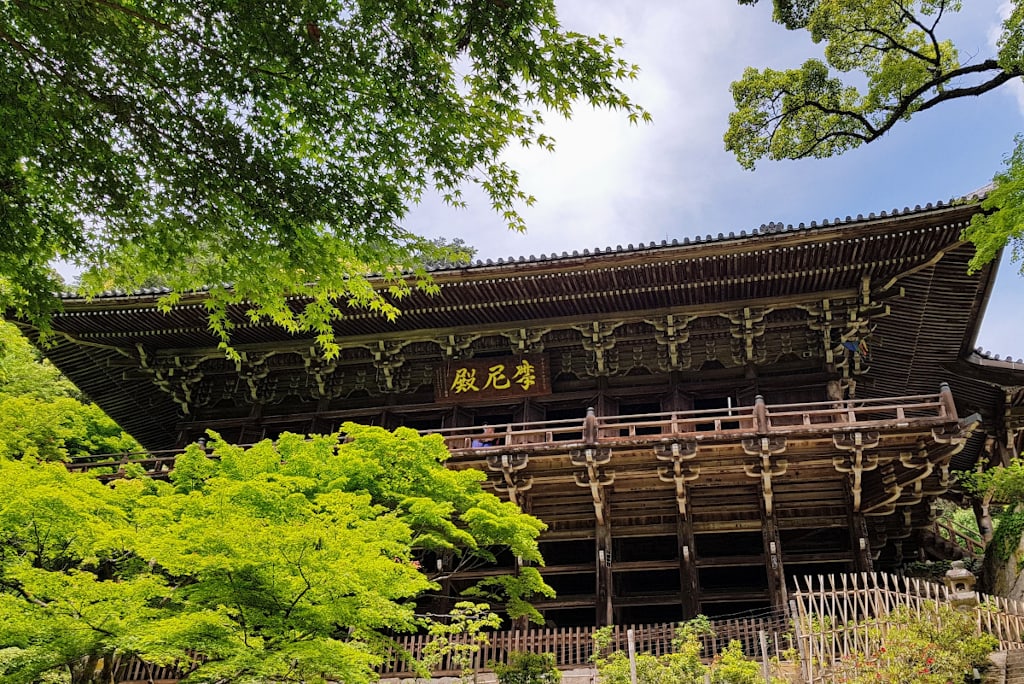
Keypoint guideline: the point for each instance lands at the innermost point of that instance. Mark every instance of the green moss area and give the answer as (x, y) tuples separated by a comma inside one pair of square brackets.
[(1007, 534)]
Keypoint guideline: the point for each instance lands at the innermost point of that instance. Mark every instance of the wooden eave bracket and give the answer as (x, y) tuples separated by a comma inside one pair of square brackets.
[(599, 339), (849, 318), (856, 462), (319, 368), (387, 359), (510, 466), (672, 334), (909, 486), (526, 340), (892, 490), (594, 476), (680, 472), (175, 375), (454, 346), (748, 328), (768, 465)]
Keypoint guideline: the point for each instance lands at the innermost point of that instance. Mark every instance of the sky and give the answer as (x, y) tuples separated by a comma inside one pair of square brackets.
[(609, 183)]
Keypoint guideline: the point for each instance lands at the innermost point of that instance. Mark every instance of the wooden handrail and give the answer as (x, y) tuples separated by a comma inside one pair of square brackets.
[(970, 544), (894, 411), (759, 419)]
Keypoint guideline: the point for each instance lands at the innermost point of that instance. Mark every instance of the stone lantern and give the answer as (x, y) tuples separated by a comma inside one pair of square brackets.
[(960, 583)]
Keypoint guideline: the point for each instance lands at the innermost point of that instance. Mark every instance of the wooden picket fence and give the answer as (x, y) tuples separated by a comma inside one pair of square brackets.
[(838, 617), (833, 617), (574, 646)]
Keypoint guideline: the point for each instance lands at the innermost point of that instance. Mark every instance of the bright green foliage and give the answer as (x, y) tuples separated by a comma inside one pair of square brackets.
[(732, 667), (682, 666), (58, 429), (885, 60), (964, 520), (59, 534), (41, 413), (1003, 224), (275, 563), (937, 647), (23, 372), (1006, 538), (1005, 484), (685, 660), (515, 592), (526, 667), (274, 146), (792, 14), (460, 636)]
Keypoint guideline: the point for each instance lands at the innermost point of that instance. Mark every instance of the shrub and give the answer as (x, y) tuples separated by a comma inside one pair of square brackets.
[(681, 667), (937, 647), (525, 667), (732, 667)]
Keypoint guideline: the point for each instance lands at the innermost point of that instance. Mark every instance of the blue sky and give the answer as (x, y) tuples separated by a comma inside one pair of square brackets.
[(608, 183)]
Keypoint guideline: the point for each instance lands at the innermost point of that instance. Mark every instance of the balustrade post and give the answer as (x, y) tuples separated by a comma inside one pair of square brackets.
[(760, 415), (946, 401), (590, 427)]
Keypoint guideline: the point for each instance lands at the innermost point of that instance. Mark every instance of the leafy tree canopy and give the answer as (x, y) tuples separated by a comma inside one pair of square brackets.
[(273, 146), (286, 562), (42, 415), (884, 62)]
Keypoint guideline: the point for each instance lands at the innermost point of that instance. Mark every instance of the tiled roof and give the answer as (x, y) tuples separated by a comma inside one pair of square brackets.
[(771, 228)]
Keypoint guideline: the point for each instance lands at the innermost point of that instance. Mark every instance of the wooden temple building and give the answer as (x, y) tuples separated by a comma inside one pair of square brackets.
[(697, 421)]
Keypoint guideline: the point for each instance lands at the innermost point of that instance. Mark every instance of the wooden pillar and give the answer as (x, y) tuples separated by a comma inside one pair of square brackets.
[(603, 558), (777, 593), (860, 543), (862, 561), (688, 582)]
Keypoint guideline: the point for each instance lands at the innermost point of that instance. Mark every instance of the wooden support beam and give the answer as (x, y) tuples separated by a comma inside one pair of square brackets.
[(604, 605), (594, 477), (689, 591), (773, 558), (859, 541)]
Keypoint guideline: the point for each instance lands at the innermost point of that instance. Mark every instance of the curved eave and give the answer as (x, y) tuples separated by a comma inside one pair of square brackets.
[(744, 269), (135, 403), (930, 327)]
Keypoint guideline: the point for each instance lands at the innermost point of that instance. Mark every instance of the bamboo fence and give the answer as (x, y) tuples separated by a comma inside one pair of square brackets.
[(841, 617)]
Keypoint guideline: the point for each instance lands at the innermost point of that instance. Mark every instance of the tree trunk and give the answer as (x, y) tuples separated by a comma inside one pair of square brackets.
[(110, 662), (83, 670), (983, 516)]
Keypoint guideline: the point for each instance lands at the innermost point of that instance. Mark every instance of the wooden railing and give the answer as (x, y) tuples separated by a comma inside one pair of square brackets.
[(759, 419), (968, 540), (922, 410), (105, 467), (574, 646), (135, 670)]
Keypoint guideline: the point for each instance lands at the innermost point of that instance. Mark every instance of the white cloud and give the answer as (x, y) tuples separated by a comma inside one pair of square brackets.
[(609, 183)]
